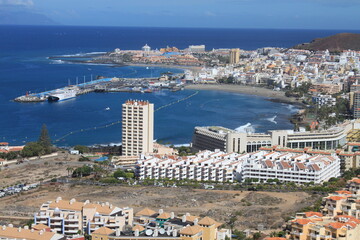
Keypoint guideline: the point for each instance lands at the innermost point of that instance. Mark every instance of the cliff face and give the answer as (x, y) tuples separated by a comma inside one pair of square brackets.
[(335, 43)]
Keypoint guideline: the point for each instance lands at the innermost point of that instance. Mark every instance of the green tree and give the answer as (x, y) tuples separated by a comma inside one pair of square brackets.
[(257, 236), (82, 149), (119, 173), (32, 149), (44, 139)]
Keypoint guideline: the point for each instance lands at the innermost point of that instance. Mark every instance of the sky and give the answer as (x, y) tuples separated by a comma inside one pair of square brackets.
[(288, 14)]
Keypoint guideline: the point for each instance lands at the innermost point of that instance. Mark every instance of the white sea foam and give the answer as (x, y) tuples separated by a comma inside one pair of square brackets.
[(247, 128), (272, 119), (105, 144), (82, 54), (292, 108), (182, 145), (57, 62)]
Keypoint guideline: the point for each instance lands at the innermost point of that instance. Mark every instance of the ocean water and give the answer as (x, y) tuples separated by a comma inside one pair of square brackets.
[(24, 66)]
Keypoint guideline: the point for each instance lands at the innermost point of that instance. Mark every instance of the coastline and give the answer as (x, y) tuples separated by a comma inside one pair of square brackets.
[(193, 68), (276, 96)]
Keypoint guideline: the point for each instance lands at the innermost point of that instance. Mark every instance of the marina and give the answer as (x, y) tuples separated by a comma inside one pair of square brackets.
[(136, 85)]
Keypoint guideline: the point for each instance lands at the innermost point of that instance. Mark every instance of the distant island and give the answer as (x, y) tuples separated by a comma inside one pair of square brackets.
[(334, 43)]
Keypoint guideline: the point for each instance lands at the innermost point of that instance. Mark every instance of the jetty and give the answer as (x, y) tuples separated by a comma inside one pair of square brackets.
[(137, 85)]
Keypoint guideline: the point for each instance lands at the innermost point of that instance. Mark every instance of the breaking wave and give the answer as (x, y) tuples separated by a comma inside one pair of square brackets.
[(272, 119), (247, 128)]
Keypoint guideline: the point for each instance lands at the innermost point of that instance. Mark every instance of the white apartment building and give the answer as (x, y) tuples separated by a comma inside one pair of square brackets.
[(68, 217), (137, 127), (322, 100), (218, 166), (228, 140)]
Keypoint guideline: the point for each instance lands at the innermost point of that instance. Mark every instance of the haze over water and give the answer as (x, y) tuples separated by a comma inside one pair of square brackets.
[(24, 67)]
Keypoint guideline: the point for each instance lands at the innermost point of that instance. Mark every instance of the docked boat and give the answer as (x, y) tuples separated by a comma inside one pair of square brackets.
[(62, 95), (148, 90)]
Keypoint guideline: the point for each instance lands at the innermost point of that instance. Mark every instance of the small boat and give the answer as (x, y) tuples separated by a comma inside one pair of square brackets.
[(107, 109), (149, 90)]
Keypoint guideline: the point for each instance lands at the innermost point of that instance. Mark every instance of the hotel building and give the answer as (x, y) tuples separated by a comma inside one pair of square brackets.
[(287, 165), (70, 217), (137, 127), (228, 140), (234, 56), (151, 225)]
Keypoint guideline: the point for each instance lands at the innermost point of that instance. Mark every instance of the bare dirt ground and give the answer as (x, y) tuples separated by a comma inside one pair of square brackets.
[(38, 170), (251, 208)]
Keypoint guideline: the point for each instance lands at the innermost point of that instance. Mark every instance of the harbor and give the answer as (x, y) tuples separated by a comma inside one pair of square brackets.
[(103, 84)]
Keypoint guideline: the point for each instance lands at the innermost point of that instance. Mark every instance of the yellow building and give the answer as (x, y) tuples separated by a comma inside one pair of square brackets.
[(234, 56), (70, 217)]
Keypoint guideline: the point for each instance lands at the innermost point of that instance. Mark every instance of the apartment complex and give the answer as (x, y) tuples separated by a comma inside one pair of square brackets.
[(228, 140), (234, 56), (137, 127), (314, 226), (161, 225), (339, 217), (287, 165), (70, 217)]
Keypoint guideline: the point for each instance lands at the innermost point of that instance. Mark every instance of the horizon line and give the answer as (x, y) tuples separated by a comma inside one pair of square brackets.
[(177, 27)]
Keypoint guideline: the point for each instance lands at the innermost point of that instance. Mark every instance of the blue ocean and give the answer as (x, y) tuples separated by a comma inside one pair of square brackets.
[(25, 66)]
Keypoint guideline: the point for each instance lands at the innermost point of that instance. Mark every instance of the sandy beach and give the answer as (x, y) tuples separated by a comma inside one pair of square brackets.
[(193, 68), (257, 91)]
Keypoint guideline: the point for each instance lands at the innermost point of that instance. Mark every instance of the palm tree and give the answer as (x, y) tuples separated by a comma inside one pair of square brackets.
[(69, 169)]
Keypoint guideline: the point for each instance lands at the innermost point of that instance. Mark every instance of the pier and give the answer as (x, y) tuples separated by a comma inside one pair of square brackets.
[(143, 85)]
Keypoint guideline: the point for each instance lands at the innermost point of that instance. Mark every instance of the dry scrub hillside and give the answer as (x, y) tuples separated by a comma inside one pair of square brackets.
[(251, 208)]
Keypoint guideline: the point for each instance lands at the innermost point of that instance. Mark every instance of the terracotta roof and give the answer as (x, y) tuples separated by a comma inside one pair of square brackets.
[(11, 232), (285, 164), (336, 225), (268, 163), (164, 215), (302, 221), (191, 230), (191, 218), (102, 209), (315, 167), (40, 227), (301, 166), (62, 204), (104, 231), (145, 212), (138, 227), (207, 221), (336, 198), (312, 214), (343, 192), (355, 180), (354, 144)]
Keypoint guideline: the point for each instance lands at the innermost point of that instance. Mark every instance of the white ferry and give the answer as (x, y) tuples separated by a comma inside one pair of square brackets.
[(61, 95)]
